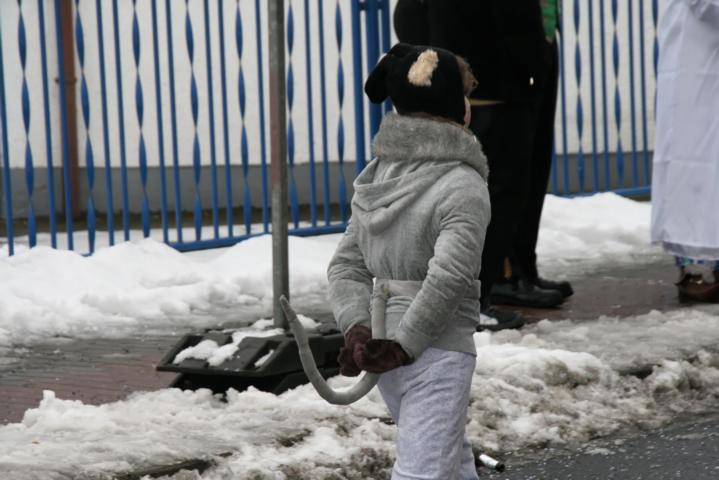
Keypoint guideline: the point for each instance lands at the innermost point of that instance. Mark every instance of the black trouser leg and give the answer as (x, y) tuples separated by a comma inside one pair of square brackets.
[(505, 131), (524, 257)]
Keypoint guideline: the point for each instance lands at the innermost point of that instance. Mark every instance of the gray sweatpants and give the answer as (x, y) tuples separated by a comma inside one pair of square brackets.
[(428, 401)]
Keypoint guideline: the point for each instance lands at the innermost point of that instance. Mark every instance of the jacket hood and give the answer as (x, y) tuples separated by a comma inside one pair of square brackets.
[(419, 139), (412, 154)]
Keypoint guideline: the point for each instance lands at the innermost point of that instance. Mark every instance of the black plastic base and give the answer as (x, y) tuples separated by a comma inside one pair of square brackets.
[(279, 371), (275, 384)]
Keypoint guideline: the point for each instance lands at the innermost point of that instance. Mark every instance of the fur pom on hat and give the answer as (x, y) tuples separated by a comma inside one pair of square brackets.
[(419, 79)]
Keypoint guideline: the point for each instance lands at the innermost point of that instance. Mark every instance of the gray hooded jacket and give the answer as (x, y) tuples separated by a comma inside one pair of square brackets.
[(420, 212)]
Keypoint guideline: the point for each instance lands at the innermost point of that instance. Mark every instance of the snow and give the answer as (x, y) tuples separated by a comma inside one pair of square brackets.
[(599, 451), (216, 355), (553, 383), (593, 227), (533, 388), (653, 336), (170, 424), (581, 233), (134, 287), (145, 285), (261, 361), (206, 350)]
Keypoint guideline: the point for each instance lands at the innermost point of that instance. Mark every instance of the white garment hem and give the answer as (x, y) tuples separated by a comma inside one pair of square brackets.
[(691, 251)]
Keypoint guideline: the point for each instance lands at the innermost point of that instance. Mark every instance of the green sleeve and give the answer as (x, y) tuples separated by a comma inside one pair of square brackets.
[(550, 16)]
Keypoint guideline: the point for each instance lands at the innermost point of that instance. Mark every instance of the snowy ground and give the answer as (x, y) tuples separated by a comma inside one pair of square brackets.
[(145, 285), (531, 389), (553, 383)]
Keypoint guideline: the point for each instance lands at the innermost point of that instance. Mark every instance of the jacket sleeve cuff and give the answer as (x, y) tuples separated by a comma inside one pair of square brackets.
[(349, 317), (412, 341), (353, 323)]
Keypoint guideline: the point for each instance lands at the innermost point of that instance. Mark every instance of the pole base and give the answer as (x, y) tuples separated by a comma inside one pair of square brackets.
[(280, 369)]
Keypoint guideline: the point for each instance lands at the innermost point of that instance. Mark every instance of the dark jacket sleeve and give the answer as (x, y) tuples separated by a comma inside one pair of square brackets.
[(503, 40), (444, 16), (519, 26)]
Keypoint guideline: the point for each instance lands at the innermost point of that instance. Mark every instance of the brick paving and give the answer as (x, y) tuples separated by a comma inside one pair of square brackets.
[(93, 371), (105, 370)]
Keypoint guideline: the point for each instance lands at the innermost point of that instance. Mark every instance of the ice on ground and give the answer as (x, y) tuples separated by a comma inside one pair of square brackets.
[(651, 338), (537, 387), (599, 451)]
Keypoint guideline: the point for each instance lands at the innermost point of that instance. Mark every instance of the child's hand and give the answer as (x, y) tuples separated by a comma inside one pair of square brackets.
[(379, 356), (356, 336)]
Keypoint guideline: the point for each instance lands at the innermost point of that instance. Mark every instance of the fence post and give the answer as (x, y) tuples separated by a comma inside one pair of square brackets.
[(278, 158), (4, 158), (70, 105), (357, 82)]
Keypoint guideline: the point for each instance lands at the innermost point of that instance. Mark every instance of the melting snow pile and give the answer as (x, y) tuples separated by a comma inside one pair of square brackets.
[(562, 383), (603, 226), (132, 287), (550, 384)]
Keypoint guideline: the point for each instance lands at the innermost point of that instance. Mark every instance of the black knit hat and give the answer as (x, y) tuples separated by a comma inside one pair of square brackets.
[(419, 79)]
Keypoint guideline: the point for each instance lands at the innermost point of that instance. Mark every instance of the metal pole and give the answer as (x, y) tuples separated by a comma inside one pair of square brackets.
[(278, 159)]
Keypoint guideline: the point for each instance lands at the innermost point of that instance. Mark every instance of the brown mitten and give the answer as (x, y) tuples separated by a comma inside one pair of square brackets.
[(357, 335), (379, 356)]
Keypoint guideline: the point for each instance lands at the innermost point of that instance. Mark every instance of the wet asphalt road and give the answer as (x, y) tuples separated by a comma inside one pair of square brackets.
[(687, 449)]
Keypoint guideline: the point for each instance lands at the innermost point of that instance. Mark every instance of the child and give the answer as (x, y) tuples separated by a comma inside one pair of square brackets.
[(419, 216)]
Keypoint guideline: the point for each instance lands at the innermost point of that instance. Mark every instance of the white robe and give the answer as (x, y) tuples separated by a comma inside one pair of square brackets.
[(685, 183)]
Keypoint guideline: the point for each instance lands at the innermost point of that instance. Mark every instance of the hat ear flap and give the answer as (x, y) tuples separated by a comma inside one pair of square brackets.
[(376, 85)]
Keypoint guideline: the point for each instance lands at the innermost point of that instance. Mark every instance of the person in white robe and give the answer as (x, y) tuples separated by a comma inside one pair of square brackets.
[(685, 183)]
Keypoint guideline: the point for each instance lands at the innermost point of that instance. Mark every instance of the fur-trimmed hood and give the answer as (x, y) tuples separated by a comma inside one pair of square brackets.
[(419, 139), (411, 154)]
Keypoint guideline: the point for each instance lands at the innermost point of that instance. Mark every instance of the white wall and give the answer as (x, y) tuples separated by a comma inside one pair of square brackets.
[(9, 15)]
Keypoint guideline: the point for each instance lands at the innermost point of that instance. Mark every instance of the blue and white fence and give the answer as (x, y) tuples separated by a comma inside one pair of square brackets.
[(605, 121), (166, 131)]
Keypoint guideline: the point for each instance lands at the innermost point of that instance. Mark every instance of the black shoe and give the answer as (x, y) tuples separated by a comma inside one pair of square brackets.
[(564, 287), (694, 287), (494, 319), (525, 294)]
